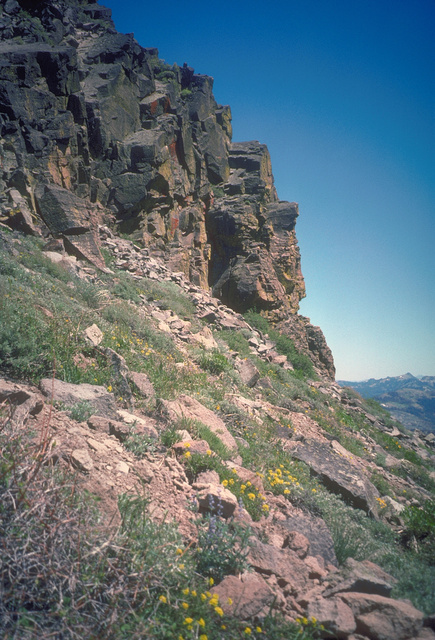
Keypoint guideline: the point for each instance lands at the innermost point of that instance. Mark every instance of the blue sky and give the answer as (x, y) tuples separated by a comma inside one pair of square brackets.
[(343, 94)]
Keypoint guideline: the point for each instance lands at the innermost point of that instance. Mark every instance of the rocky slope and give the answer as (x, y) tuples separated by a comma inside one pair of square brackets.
[(136, 378), (96, 128), (154, 386), (409, 399)]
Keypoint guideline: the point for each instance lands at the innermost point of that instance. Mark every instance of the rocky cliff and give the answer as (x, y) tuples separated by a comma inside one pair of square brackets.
[(97, 129)]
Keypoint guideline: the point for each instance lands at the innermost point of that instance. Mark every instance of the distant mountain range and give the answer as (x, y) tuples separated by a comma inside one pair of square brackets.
[(409, 399)]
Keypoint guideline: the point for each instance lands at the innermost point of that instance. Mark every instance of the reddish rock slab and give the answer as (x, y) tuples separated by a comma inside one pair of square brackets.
[(298, 543), (382, 618), (334, 615), (142, 384), (186, 407), (246, 597), (283, 563)]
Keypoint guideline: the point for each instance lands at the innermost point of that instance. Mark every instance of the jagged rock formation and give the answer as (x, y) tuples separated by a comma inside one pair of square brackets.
[(96, 128)]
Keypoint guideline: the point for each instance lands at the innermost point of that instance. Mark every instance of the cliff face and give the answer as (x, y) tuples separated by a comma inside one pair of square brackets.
[(97, 129)]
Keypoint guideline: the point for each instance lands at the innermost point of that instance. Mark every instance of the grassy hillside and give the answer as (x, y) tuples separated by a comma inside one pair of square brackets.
[(66, 572)]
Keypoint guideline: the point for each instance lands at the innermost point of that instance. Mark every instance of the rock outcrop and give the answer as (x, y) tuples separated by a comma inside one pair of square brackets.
[(97, 129)]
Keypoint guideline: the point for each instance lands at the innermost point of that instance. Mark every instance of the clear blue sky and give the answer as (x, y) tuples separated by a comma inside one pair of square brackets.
[(343, 94)]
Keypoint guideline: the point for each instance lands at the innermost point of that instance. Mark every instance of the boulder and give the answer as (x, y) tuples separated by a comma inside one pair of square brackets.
[(214, 498), (335, 615), (246, 597), (187, 407), (290, 571), (339, 475), (382, 618), (68, 394), (316, 531)]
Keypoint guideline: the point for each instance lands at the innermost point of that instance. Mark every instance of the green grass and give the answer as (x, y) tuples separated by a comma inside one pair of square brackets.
[(358, 536), (284, 345)]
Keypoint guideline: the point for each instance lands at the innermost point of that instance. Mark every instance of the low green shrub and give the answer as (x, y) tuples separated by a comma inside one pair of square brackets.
[(81, 411), (222, 547), (214, 362)]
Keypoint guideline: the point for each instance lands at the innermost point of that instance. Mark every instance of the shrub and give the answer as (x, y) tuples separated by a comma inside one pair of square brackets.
[(81, 411), (214, 362), (222, 547), (420, 528)]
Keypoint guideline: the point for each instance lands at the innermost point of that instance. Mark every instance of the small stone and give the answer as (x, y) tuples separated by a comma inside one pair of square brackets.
[(81, 460), (94, 335)]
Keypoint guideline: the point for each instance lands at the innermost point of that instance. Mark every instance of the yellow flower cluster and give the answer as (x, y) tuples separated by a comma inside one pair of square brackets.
[(381, 503), (282, 480)]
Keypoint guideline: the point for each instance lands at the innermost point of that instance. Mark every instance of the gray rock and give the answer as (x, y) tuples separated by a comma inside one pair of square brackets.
[(318, 534), (102, 402), (249, 373), (339, 475)]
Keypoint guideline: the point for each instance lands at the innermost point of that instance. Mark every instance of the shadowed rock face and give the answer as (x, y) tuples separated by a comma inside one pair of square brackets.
[(97, 129)]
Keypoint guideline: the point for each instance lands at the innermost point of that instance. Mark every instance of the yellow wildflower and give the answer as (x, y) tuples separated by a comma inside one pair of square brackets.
[(219, 611), (163, 599), (225, 483), (248, 631), (184, 605), (188, 620)]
